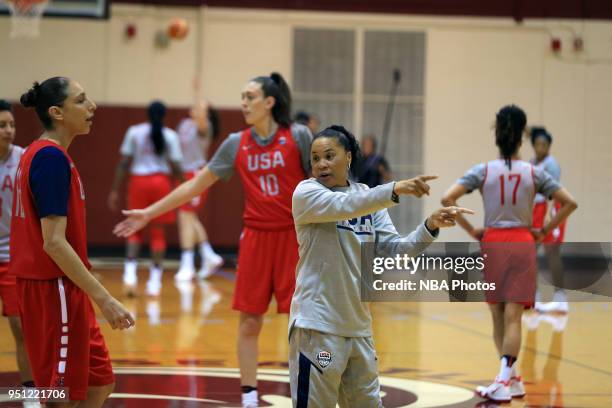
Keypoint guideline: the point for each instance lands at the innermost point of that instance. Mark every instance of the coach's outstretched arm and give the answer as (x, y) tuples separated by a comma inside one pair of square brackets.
[(137, 219), (62, 253)]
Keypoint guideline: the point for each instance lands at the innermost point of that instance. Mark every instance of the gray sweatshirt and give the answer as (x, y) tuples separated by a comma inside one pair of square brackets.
[(331, 225)]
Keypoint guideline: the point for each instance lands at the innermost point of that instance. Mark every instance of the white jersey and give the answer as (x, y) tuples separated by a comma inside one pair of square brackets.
[(193, 146), (549, 165), (508, 192), (7, 177), (138, 145)]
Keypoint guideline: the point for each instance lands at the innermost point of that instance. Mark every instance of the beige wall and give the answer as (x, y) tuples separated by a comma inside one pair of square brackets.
[(474, 66)]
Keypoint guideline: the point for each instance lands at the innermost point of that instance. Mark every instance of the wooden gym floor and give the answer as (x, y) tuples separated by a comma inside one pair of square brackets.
[(182, 352)]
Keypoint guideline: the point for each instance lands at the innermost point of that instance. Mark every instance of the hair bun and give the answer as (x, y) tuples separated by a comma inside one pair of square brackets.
[(276, 77), (30, 98)]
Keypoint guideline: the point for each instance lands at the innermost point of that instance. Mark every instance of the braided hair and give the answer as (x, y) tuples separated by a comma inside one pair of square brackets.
[(346, 139), (156, 112), (510, 123)]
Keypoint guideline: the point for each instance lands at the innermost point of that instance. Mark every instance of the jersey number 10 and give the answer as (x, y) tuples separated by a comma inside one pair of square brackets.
[(502, 189), (269, 184)]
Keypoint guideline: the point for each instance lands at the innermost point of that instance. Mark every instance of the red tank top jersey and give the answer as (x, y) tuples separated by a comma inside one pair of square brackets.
[(28, 259), (269, 176)]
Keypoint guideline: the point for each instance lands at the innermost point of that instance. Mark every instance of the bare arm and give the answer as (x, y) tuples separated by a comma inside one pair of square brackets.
[(60, 251), (120, 173), (177, 171), (568, 205), (450, 198), (189, 189)]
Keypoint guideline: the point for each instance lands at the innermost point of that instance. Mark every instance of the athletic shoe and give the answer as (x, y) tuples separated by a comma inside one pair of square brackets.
[(184, 275), (557, 322), (553, 307), (498, 391), (130, 283), (153, 288), (532, 320), (517, 388), (210, 265)]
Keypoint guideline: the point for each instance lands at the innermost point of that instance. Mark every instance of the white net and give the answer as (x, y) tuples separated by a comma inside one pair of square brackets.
[(25, 17)]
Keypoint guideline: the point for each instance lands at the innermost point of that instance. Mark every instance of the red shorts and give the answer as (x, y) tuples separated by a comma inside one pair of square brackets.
[(62, 337), (145, 190), (8, 292), (510, 263), (197, 202), (539, 214), (266, 265)]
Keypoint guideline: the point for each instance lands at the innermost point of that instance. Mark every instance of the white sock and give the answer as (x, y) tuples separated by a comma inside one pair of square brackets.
[(505, 371), (155, 273), (187, 259), (513, 372), (559, 296), (250, 398), (206, 249), (130, 268)]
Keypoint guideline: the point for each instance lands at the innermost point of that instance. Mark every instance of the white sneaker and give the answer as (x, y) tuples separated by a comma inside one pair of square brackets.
[(153, 288), (498, 391), (558, 323), (553, 307), (532, 320), (130, 281), (184, 274), (211, 264), (517, 388)]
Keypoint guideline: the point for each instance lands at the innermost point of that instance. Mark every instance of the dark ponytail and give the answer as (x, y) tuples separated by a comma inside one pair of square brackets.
[(346, 139), (51, 92), (510, 123), (156, 112), (213, 118), (276, 86)]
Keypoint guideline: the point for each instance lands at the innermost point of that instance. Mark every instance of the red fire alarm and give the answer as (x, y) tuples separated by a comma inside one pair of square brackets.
[(130, 31), (555, 45)]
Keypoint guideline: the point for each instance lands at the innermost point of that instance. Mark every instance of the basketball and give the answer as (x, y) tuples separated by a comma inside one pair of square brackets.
[(178, 28)]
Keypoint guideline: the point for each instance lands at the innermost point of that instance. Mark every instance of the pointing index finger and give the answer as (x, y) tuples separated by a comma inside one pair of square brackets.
[(427, 178)]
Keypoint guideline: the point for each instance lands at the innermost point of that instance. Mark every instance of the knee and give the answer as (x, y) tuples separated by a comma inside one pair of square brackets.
[(15, 324), (108, 389), (158, 239), (250, 326), (104, 391)]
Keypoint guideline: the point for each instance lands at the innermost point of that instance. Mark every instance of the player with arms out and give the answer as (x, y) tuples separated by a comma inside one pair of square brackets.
[(154, 152), (49, 253), (196, 134), (271, 157), (508, 186)]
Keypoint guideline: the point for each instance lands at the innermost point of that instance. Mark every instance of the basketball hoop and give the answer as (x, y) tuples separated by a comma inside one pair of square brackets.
[(25, 17)]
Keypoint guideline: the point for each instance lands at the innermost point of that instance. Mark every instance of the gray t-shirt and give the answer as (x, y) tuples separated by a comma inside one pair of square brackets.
[(508, 193), (550, 165), (222, 163), (331, 225)]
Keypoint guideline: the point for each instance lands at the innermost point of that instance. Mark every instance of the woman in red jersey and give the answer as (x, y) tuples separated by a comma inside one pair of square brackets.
[(508, 186), (9, 159), (271, 157), (49, 253)]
